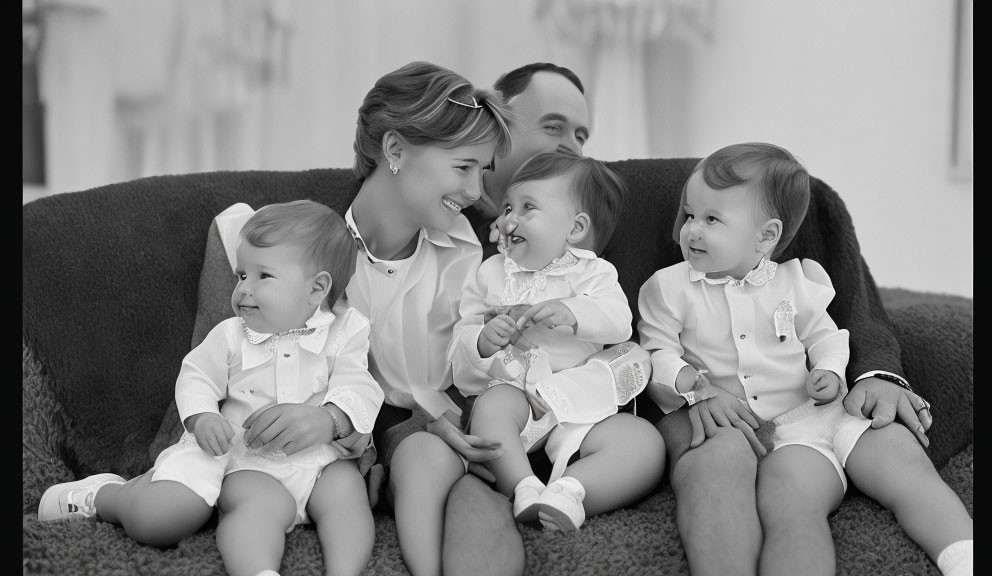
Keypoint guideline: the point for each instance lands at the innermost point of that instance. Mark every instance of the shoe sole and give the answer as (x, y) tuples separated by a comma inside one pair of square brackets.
[(54, 491), (528, 514), (555, 518)]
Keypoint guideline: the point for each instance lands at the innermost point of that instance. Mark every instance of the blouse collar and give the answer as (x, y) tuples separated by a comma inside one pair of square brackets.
[(436, 237)]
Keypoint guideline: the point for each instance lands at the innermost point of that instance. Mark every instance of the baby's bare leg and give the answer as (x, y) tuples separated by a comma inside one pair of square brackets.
[(339, 506), (422, 471), (500, 413), (155, 513), (797, 488), (889, 465), (620, 460), (256, 510)]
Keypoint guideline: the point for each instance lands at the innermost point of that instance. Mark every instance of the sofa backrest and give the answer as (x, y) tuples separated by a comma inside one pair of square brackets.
[(110, 280)]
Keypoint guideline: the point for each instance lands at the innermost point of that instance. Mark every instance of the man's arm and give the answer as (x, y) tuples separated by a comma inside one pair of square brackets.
[(827, 236)]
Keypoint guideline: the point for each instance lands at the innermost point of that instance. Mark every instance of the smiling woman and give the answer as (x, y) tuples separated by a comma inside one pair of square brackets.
[(424, 138)]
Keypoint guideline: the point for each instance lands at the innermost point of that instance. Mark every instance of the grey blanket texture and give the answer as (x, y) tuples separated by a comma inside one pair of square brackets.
[(110, 281)]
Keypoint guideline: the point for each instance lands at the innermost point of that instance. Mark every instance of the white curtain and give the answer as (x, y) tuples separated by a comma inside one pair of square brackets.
[(136, 89), (613, 36)]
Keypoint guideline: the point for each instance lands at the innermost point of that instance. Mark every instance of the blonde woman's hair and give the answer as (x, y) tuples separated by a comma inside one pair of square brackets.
[(426, 104)]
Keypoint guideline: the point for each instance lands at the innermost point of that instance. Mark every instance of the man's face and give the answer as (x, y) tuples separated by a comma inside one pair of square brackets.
[(550, 114)]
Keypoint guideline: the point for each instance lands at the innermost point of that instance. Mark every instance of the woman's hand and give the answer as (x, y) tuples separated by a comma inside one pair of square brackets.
[(213, 433), (288, 427), (473, 448)]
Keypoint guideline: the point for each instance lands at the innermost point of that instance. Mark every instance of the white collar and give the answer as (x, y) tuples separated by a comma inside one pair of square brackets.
[(570, 258), (522, 284), (436, 237), (259, 347), (762, 273)]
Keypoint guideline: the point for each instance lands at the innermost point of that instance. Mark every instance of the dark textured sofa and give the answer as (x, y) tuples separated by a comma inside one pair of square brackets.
[(110, 281)]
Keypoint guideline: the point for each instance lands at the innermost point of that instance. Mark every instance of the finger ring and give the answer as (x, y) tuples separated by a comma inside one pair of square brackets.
[(924, 406)]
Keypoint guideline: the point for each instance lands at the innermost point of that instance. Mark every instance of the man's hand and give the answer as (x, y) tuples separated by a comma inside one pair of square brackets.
[(288, 427), (550, 314), (822, 386), (213, 433), (723, 410), (881, 401)]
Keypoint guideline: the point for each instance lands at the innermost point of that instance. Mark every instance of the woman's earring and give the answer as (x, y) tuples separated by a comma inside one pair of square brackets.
[(393, 168)]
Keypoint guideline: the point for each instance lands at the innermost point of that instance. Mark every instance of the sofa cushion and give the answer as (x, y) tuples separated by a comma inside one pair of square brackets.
[(110, 290), (213, 305)]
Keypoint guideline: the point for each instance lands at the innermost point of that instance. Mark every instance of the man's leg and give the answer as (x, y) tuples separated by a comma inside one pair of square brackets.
[(716, 508), (480, 534)]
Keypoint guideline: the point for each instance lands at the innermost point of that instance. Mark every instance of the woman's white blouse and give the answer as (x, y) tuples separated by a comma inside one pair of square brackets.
[(412, 305)]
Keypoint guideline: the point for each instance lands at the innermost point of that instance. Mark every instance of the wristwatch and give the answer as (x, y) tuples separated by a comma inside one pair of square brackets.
[(891, 378)]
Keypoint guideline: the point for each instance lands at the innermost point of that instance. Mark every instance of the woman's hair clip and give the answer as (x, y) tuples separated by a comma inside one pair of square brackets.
[(473, 105)]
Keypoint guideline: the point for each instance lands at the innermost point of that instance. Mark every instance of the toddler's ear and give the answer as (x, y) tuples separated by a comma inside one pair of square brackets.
[(581, 231), (769, 236), (320, 287)]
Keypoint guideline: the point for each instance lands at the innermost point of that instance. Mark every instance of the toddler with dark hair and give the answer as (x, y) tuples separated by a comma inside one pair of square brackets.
[(539, 308)]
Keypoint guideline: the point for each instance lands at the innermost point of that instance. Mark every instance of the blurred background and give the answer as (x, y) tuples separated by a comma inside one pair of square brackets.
[(874, 97)]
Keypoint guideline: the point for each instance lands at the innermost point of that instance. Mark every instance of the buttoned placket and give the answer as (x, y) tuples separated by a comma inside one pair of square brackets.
[(742, 323), (287, 370)]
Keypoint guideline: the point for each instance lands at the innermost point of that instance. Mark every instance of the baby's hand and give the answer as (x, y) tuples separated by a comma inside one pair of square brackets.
[(538, 405), (514, 311), (213, 434), (550, 314), (495, 335), (822, 386)]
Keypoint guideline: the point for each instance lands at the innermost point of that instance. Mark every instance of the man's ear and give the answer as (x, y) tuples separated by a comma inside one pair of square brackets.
[(581, 229), (392, 148), (320, 287), (768, 237)]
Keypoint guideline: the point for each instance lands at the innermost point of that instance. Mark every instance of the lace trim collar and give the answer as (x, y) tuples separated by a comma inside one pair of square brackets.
[(523, 284), (259, 347), (762, 273)]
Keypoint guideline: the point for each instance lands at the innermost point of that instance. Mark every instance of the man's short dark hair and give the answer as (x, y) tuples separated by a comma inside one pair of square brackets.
[(516, 81)]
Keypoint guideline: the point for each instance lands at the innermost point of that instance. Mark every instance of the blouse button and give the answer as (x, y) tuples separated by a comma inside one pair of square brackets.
[(754, 397), (285, 355), (742, 336), (390, 271)]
